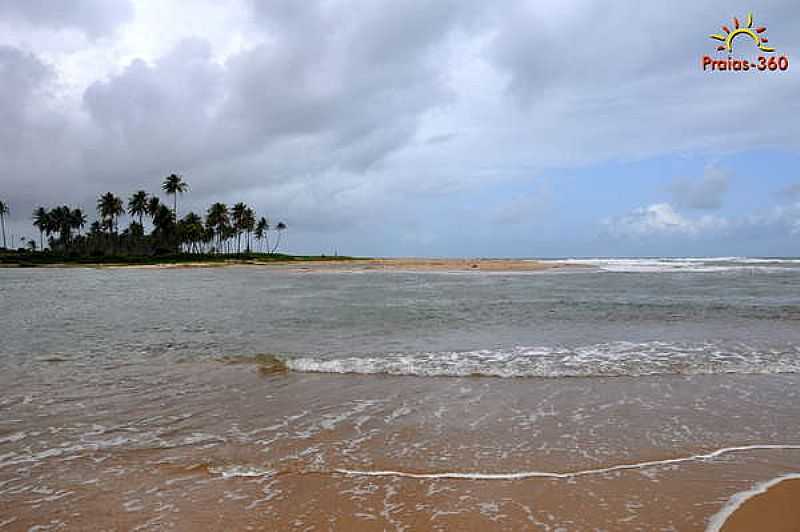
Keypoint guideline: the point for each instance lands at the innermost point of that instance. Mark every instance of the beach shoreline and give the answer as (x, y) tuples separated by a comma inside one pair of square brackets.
[(430, 265), (767, 506), (338, 265)]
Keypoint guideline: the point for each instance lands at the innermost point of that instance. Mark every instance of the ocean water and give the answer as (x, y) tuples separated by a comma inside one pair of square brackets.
[(617, 317), (650, 390)]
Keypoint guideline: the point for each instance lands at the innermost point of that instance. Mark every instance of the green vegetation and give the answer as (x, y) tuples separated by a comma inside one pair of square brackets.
[(224, 232), (28, 258)]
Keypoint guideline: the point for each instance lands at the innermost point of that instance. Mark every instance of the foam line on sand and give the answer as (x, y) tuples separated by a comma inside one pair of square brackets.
[(570, 474)]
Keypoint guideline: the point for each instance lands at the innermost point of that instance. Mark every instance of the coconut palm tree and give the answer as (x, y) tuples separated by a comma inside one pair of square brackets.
[(248, 224), (280, 228), (190, 230), (163, 222), (40, 222), (60, 221), (238, 221), (228, 232), (153, 203), (174, 185), (217, 220), (3, 212), (77, 220), (110, 208), (137, 205), (164, 229), (262, 227)]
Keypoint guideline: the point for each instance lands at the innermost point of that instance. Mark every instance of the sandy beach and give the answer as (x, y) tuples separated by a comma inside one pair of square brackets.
[(776, 510)]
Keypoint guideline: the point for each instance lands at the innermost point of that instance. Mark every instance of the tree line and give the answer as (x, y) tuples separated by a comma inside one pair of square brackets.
[(224, 230)]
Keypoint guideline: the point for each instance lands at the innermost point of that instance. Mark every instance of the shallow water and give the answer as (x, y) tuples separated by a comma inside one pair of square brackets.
[(606, 397)]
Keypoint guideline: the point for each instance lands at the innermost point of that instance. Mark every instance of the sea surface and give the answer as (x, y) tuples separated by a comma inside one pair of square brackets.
[(620, 394)]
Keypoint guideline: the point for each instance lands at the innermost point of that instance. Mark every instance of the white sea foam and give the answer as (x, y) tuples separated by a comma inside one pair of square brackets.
[(718, 520), (240, 472), (597, 360), (521, 475), (688, 264)]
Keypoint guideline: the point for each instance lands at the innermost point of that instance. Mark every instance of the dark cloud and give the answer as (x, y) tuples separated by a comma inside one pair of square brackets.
[(151, 118), (34, 134)]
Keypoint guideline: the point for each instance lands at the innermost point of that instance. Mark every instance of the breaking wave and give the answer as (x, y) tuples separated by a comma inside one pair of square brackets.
[(689, 264), (614, 359)]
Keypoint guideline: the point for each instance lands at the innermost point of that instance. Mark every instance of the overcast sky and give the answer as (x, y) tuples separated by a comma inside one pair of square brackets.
[(427, 128)]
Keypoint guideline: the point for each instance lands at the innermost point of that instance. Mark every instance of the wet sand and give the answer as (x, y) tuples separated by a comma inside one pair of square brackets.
[(387, 264), (219, 446), (776, 510)]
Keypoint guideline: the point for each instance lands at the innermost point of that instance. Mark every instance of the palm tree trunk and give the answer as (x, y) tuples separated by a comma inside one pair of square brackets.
[(175, 215), (278, 243), (3, 223)]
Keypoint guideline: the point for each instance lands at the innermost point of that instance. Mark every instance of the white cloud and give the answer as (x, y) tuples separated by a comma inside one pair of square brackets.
[(661, 219)]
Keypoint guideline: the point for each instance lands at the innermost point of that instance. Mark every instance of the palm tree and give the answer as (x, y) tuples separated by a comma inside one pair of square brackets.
[(174, 185), (249, 224), (190, 230), (164, 229), (110, 208), (163, 222), (280, 228), (227, 232), (207, 237), (60, 221), (3, 212), (238, 218), (77, 220), (217, 220), (153, 203), (40, 221), (261, 231), (137, 205)]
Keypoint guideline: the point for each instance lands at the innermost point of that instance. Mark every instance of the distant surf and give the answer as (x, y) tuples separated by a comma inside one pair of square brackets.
[(687, 264)]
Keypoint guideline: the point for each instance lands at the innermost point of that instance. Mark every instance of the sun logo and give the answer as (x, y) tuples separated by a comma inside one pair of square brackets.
[(755, 34)]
